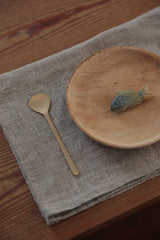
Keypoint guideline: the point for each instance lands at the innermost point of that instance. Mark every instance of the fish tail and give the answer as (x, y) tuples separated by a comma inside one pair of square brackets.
[(145, 93)]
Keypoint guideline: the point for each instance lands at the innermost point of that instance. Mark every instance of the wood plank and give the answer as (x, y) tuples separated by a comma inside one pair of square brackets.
[(31, 30), (143, 224)]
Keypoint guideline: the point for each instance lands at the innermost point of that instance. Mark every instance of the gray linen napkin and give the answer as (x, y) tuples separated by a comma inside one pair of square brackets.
[(104, 171)]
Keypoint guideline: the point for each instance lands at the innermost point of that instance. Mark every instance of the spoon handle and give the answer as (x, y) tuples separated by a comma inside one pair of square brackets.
[(69, 160)]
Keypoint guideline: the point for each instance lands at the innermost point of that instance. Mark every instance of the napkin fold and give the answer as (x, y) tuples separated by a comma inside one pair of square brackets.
[(104, 171)]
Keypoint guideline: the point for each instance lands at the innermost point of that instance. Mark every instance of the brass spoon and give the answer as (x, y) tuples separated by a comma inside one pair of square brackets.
[(40, 103)]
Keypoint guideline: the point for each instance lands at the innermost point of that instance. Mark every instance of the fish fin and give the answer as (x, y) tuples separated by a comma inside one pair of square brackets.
[(145, 93), (122, 92)]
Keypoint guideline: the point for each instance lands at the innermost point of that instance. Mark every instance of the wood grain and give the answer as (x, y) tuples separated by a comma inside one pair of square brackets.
[(143, 224), (31, 30), (91, 89), (35, 29)]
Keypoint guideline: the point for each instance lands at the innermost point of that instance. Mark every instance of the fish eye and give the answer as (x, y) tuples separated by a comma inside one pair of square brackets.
[(116, 104)]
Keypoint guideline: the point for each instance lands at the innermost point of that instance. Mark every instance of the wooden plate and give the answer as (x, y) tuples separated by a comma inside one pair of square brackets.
[(92, 88)]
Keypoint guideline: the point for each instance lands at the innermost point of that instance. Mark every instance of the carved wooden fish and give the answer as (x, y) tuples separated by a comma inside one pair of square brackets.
[(129, 99)]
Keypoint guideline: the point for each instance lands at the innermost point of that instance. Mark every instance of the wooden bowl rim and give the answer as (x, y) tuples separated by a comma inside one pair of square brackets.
[(97, 139)]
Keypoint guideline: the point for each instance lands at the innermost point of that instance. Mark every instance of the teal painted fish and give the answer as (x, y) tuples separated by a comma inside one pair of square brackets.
[(129, 99)]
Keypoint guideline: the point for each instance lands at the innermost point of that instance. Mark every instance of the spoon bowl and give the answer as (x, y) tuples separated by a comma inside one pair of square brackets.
[(40, 103)]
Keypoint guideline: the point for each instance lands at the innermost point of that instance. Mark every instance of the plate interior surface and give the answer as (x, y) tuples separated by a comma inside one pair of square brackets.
[(92, 88)]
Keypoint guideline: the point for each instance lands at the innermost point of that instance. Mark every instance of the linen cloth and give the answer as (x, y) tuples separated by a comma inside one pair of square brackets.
[(104, 171)]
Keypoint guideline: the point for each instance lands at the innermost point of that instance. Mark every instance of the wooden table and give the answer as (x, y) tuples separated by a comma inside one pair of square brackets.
[(31, 30)]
